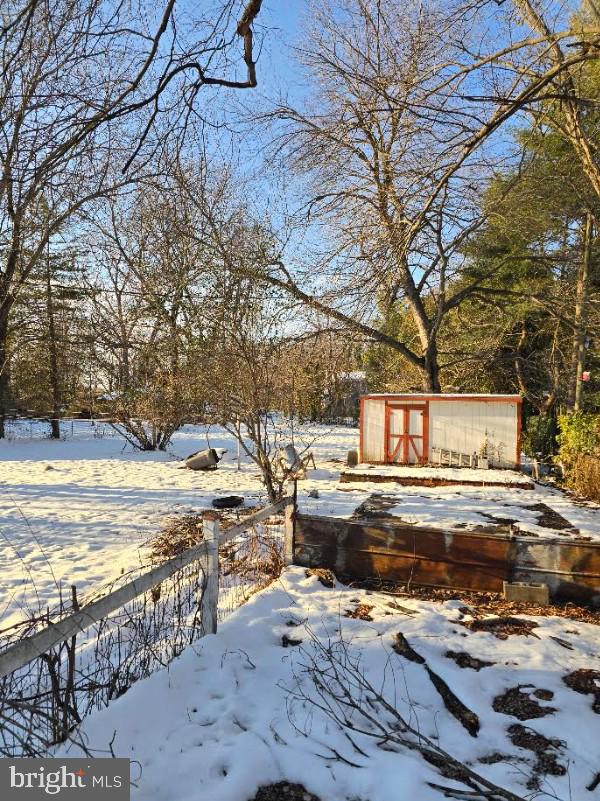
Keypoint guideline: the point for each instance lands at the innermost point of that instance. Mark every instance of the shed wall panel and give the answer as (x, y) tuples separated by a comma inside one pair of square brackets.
[(373, 431), (466, 426)]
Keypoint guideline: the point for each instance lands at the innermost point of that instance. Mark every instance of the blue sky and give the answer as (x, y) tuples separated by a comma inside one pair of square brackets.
[(282, 22), (283, 14)]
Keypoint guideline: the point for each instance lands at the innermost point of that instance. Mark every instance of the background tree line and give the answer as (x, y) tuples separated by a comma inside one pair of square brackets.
[(426, 210)]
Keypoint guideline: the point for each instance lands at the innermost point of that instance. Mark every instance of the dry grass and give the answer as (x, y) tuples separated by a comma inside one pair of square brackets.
[(177, 535), (284, 791), (502, 627), (361, 612), (587, 682), (259, 555), (325, 576), (479, 604), (584, 477)]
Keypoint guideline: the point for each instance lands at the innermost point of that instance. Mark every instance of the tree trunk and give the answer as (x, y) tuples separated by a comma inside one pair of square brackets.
[(580, 320), (431, 370), (3, 369), (52, 356)]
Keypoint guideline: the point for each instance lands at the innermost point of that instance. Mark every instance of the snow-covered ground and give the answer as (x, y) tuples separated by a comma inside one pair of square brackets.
[(78, 511), (222, 720), (234, 711), (457, 506), (424, 472)]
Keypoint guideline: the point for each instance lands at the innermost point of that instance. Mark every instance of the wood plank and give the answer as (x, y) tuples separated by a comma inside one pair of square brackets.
[(234, 531), (210, 595), (415, 481), (23, 652), (394, 538), (361, 565), (390, 551), (559, 555), (31, 647), (450, 398), (289, 524), (395, 551), (571, 569)]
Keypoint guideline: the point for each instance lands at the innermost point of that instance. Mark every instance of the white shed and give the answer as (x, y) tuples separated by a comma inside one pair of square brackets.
[(421, 428)]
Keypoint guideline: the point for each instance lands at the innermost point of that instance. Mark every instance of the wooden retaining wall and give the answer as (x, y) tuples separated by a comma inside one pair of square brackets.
[(395, 551), (372, 476)]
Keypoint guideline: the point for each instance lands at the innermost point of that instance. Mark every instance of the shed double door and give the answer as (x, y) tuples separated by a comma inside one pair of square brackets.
[(406, 433)]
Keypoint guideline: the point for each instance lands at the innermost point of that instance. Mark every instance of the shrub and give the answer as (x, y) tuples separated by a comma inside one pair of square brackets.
[(584, 477), (579, 434), (579, 453)]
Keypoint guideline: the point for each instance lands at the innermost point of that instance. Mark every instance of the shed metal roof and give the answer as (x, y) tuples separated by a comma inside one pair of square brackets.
[(443, 396)]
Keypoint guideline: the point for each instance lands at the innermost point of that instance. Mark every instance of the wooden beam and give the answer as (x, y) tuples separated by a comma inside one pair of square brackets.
[(425, 459), (386, 435), (395, 551), (399, 397), (374, 477), (234, 531), (361, 429), (519, 435), (37, 644), (289, 524), (210, 595), (23, 652)]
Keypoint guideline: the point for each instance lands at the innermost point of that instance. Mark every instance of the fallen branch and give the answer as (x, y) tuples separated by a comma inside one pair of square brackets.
[(342, 692), (466, 717)]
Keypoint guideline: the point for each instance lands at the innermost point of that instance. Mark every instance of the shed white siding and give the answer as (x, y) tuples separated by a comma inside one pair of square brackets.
[(468, 426), (373, 431)]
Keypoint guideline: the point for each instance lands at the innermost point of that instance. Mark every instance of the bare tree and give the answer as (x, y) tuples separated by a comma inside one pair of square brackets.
[(154, 278), (83, 85), (397, 144), (241, 366)]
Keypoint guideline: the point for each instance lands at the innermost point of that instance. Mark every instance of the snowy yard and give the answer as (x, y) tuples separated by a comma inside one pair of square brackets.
[(238, 710), (459, 506), (380, 213), (79, 511), (222, 720)]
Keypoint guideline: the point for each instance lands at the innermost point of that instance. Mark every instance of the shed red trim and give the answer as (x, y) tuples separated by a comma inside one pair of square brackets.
[(361, 429), (519, 436), (406, 440), (426, 434), (423, 400), (446, 398)]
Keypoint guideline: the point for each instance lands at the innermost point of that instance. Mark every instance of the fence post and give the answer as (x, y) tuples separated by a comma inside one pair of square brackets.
[(290, 515), (210, 596)]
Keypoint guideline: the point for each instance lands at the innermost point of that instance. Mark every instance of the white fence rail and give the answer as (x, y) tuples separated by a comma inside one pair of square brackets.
[(36, 428), (53, 678)]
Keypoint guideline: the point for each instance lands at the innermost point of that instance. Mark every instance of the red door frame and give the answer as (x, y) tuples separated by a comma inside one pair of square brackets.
[(405, 440)]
